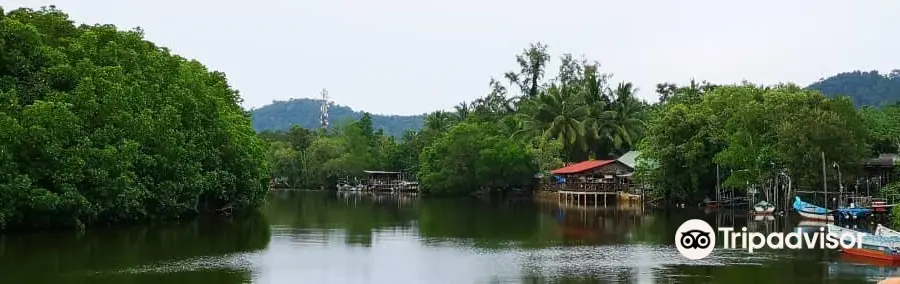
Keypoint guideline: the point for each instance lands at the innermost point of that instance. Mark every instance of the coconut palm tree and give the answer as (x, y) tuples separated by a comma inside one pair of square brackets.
[(462, 111), (558, 115), (615, 123), (439, 121), (627, 118)]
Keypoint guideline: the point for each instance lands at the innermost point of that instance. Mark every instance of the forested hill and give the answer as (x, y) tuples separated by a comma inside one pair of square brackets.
[(281, 115), (864, 88)]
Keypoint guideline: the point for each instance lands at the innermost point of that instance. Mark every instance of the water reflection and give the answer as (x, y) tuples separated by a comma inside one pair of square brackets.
[(466, 241), (321, 237), (211, 249)]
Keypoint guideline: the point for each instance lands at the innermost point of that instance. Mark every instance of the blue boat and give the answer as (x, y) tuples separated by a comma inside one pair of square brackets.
[(809, 211), (853, 212)]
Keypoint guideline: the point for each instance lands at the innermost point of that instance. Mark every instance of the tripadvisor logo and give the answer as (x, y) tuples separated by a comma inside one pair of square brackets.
[(696, 239)]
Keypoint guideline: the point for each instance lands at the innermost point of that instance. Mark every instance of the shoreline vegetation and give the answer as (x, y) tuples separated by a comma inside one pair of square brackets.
[(99, 126)]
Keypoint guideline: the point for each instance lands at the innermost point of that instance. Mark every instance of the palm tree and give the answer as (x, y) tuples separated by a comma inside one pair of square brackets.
[(462, 111), (558, 115), (439, 121), (614, 127), (627, 117)]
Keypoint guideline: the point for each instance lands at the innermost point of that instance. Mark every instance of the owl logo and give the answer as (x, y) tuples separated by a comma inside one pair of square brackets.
[(695, 239)]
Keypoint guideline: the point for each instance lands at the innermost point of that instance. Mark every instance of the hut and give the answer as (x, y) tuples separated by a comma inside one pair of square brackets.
[(880, 171), (389, 181), (594, 176)]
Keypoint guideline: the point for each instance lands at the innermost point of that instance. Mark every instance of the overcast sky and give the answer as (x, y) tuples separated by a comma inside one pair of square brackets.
[(416, 56)]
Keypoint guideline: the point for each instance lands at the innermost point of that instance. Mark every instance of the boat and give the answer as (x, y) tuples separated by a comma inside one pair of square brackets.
[(876, 205), (810, 211), (883, 248), (883, 231), (853, 212), (880, 205), (347, 187), (763, 207), (738, 202), (709, 203)]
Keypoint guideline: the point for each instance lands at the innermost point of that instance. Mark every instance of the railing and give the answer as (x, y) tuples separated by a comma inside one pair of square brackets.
[(588, 187)]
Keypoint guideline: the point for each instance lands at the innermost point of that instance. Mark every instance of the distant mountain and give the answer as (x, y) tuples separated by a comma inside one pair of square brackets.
[(864, 88), (281, 115)]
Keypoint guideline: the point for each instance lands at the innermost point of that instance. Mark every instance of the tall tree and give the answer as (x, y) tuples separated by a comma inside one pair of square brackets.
[(532, 63)]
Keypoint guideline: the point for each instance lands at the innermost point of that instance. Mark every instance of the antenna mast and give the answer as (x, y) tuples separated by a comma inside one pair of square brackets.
[(325, 109)]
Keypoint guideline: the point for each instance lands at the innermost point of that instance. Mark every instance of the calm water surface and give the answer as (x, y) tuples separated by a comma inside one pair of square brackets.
[(309, 237)]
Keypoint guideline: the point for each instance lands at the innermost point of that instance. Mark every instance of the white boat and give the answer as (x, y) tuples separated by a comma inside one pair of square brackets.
[(347, 187), (814, 216), (763, 207), (885, 231), (873, 245)]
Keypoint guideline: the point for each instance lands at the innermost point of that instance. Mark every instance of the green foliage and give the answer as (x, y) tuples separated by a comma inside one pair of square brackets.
[(100, 126), (306, 113), (472, 157), (745, 129), (749, 131), (498, 141), (884, 125), (895, 216), (304, 159)]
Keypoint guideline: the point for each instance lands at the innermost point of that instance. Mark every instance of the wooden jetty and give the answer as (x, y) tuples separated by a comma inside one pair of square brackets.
[(387, 181)]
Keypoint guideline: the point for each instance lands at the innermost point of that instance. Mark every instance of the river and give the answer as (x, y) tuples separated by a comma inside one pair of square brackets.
[(323, 237)]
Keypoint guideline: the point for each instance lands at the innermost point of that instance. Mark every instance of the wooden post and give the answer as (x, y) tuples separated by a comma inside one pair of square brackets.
[(718, 187), (824, 181)]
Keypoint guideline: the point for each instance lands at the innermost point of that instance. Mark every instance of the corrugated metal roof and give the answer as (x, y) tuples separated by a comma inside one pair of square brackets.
[(883, 160), (630, 158), (633, 158), (581, 167), (380, 172)]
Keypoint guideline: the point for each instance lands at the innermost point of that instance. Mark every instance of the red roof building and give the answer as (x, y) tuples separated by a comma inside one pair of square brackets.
[(594, 166)]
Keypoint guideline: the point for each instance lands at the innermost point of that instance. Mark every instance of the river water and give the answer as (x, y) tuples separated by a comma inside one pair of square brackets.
[(321, 237)]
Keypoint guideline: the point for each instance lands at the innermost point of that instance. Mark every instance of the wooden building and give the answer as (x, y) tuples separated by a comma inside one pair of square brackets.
[(587, 182), (881, 171), (593, 175)]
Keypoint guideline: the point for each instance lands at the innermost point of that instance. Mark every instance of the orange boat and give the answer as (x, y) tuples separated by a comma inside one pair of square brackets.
[(883, 254), (884, 245)]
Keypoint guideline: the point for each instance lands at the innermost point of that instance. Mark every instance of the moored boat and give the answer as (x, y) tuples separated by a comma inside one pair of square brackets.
[(810, 211), (850, 213), (881, 206), (884, 248), (763, 207), (886, 232)]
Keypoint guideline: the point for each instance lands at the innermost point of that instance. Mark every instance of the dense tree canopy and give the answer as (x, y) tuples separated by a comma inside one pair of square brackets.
[(536, 123), (749, 131), (499, 141), (98, 125)]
